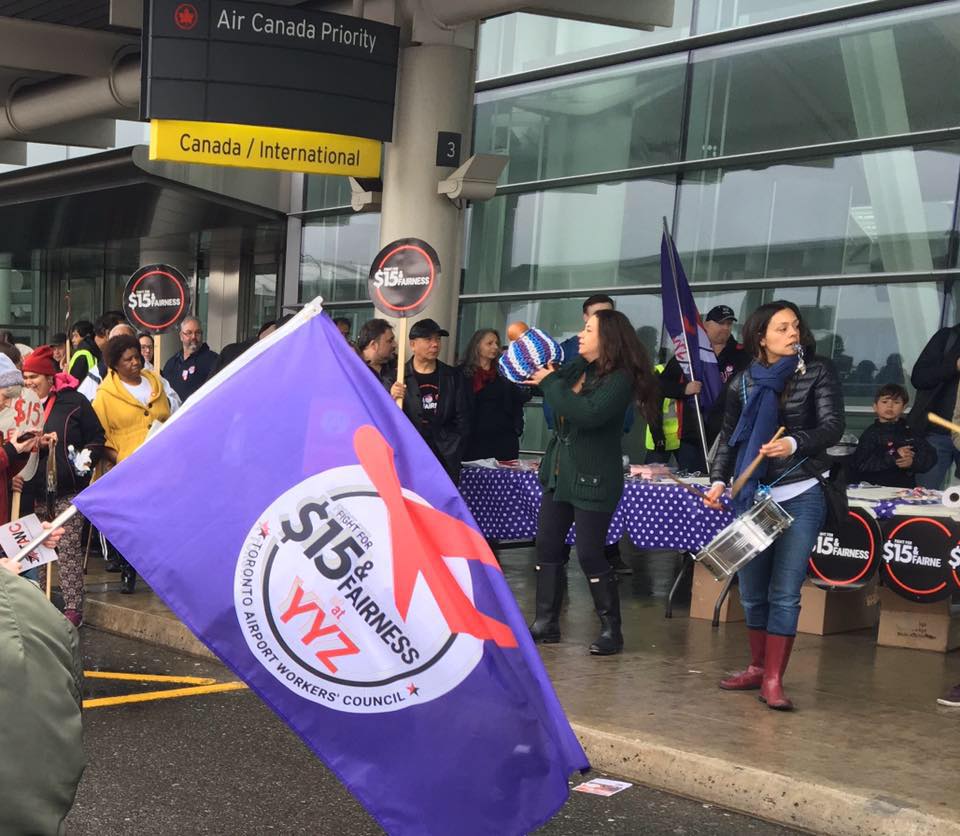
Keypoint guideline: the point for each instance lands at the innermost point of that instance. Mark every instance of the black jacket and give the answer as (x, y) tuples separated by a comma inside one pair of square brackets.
[(811, 408), (186, 376), (230, 353), (876, 455), (79, 365), (935, 378), (496, 418), (731, 360), (387, 374), (73, 420), (446, 432)]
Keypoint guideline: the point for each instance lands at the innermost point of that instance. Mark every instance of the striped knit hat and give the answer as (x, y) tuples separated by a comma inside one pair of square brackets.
[(534, 350)]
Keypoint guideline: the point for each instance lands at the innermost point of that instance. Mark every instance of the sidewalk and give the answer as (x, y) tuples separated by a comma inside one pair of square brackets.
[(867, 752)]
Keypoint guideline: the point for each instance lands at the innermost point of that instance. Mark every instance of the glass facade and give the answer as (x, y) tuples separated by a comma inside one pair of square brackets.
[(603, 235), (520, 43), (854, 80), (717, 15), (604, 120), (846, 205), (886, 211), (336, 255)]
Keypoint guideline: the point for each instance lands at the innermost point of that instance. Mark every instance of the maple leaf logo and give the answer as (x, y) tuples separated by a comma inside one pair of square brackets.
[(185, 16)]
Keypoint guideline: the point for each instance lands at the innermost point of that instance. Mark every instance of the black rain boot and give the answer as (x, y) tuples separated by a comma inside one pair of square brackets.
[(550, 584), (128, 579), (612, 553), (606, 601)]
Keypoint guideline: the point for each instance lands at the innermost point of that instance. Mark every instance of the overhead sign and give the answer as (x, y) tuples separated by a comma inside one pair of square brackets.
[(277, 66), (156, 298), (403, 276), (249, 146)]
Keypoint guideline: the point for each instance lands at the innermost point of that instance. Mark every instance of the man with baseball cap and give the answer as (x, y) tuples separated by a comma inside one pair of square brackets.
[(434, 398), (731, 357)]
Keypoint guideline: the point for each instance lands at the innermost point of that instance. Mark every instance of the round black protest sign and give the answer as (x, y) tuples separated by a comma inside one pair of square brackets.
[(917, 555), (847, 555), (403, 276), (156, 298)]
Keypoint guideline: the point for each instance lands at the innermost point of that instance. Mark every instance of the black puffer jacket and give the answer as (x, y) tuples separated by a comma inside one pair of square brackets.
[(811, 408), (75, 423)]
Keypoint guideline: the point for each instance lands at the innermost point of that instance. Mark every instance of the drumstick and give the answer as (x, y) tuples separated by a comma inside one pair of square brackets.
[(943, 422), (741, 480), (695, 491)]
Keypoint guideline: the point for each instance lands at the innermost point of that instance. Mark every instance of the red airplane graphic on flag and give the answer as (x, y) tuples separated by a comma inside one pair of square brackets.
[(420, 538)]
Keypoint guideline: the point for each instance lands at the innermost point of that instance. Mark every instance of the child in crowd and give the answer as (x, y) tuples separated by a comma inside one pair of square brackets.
[(889, 452)]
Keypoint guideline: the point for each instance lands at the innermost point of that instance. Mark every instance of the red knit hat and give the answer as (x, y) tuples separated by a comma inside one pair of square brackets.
[(40, 361)]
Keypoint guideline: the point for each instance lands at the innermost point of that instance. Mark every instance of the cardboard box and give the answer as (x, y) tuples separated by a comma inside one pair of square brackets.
[(703, 597), (838, 610), (903, 623)]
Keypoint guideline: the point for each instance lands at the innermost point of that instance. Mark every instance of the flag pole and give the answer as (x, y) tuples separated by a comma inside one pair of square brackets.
[(686, 344), (57, 522), (68, 345), (402, 356)]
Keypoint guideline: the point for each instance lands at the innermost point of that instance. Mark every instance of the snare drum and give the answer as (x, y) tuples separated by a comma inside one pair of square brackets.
[(744, 539)]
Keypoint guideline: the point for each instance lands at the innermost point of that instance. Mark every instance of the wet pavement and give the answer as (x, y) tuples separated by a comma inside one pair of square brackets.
[(867, 740), (225, 764)]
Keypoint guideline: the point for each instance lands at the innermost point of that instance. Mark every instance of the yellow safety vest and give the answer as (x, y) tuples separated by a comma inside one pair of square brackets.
[(88, 356), (671, 422)]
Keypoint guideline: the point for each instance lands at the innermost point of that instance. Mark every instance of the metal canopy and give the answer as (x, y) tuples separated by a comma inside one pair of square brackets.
[(106, 197), (93, 14)]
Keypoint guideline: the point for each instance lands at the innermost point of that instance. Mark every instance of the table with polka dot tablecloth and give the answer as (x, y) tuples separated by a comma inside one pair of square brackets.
[(505, 503)]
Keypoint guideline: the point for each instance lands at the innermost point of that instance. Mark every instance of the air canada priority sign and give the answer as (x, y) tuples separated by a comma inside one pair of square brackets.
[(156, 298), (403, 276)]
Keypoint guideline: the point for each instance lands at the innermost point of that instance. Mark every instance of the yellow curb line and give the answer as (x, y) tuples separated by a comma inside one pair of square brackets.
[(173, 693), (149, 677)]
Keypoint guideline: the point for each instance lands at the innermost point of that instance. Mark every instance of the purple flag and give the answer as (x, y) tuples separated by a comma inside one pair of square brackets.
[(294, 519), (680, 315)]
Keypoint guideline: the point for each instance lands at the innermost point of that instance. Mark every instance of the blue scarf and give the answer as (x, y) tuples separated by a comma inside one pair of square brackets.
[(758, 423)]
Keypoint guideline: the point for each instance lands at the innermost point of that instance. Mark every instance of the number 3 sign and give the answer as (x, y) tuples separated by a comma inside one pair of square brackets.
[(448, 148)]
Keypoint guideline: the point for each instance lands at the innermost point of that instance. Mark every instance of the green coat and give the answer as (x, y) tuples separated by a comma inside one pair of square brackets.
[(41, 751), (583, 463)]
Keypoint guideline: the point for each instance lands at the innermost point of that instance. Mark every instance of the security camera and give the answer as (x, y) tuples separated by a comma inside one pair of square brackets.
[(476, 179), (366, 193)]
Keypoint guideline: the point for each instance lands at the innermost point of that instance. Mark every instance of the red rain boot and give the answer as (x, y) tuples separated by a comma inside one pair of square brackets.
[(751, 678), (777, 658)]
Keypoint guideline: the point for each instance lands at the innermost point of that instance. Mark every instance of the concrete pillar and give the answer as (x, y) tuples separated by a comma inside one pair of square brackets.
[(6, 282), (434, 93), (223, 287), (294, 247), (180, 255)]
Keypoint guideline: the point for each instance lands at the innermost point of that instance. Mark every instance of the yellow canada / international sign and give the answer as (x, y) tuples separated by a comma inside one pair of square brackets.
[(251, 146)]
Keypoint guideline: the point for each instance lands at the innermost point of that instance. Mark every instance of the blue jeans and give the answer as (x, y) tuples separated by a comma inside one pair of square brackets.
[(947, 455), (770, 583)]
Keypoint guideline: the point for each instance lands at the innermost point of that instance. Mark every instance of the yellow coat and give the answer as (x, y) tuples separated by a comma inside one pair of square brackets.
[(125, 420)]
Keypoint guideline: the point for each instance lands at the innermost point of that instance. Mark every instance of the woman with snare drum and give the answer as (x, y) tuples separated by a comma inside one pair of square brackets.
[(582, 468), (778, 389)]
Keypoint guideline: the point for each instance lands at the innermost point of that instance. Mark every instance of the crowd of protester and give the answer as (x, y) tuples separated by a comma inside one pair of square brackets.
[(470, 412), (104, 392)]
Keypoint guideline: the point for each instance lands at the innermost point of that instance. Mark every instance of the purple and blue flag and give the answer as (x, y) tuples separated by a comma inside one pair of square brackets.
[(681, 317), (295, 520)]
